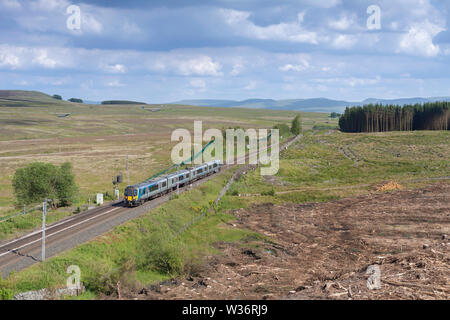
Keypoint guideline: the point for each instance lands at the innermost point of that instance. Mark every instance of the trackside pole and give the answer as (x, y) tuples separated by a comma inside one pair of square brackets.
[(178, 178), (44, 213)]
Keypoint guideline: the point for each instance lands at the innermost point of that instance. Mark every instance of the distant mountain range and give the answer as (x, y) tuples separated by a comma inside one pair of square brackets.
[(308, 105)]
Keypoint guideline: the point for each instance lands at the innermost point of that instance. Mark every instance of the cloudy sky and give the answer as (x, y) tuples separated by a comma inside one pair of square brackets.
[(166, 50)]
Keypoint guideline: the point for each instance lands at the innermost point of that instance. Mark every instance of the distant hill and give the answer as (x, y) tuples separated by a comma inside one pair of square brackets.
[(308, 105), (313, 105), (25, 95)]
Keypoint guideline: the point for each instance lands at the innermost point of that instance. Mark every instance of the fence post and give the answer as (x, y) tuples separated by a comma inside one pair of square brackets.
[(24, 209)]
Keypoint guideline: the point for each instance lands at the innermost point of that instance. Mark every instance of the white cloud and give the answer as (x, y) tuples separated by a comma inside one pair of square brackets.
[(351, 81), (344, 23), (292, 31), (302, 66), (202, 65), (419, 40), (344, 41), (237, 69), (42, 58), (114, 68), (115, 84), (8, 59), (251, 85)]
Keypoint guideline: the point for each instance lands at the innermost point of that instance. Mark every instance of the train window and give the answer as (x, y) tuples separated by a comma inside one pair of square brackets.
[(163, 184), (135, 192)]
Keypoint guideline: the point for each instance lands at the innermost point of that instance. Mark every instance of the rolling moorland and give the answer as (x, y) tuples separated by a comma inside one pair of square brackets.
[(339, 203)]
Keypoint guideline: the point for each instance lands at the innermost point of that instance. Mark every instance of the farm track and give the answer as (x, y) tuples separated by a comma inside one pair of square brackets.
[(65, 234)]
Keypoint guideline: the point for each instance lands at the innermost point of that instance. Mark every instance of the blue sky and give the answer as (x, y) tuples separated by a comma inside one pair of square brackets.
[(162, 51)]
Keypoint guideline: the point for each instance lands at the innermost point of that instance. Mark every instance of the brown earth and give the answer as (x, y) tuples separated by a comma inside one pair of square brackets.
[(323, 251)]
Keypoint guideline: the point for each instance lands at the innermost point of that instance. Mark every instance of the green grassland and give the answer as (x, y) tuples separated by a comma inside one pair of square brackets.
[(326, 165), (97, 139)]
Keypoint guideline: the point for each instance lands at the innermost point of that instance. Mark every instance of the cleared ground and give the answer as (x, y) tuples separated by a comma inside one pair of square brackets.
[(322, 251)]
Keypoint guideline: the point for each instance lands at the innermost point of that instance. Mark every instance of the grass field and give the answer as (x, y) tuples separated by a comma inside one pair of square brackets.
[(96, 139)]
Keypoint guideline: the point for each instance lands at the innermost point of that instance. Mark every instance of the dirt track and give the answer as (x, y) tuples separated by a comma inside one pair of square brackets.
[(322, 251)]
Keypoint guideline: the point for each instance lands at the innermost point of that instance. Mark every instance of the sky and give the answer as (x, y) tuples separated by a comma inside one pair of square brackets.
[(163, 51)]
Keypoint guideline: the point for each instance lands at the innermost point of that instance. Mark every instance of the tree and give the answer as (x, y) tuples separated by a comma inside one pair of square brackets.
[(284, 129), (296, 126), (39, 181), (65, 185), (334, 115), (57, 97), (76, 100)]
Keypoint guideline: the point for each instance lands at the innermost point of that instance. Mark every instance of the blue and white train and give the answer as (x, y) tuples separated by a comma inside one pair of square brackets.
[(137, 194)]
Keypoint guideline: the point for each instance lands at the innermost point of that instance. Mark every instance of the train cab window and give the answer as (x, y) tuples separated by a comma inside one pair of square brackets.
[(135, 193)]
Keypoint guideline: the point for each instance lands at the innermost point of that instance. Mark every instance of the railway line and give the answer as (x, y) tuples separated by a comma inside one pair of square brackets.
[(65, 234)]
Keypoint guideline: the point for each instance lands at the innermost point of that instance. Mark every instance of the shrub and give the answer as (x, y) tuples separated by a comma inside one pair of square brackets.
[(39, 181), (161, 254), (57, 97), (296, 126), (271, 192), (284, 130), (6, 294)]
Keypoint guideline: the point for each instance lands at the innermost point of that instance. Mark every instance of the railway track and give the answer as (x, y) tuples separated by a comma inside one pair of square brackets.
[(65, 234)]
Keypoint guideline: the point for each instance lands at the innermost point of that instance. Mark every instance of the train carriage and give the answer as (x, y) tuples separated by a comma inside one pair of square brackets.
[(139, 193)]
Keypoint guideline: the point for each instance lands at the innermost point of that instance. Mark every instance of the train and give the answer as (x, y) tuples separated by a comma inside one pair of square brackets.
[(136, 195)]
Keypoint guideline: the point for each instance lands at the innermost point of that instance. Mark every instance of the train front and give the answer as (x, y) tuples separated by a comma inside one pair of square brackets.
[(131, 196)]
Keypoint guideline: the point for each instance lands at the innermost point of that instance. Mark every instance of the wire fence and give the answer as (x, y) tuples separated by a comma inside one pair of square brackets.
[(24, 212)]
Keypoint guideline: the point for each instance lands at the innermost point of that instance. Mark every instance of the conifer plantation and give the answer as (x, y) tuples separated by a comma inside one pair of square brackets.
[(381, 118)]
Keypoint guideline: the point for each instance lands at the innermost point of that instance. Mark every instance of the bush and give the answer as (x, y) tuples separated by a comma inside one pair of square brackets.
[(57, 97), (296, 126), (161, 254), (6, 294), (284, 130), (65, 185), (271, 193), (39, 181)]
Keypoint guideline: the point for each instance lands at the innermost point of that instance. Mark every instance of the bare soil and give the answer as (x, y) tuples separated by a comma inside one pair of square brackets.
[(323, 251)]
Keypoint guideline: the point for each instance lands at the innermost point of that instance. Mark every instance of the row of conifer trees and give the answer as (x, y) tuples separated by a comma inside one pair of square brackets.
[(380, 118)]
